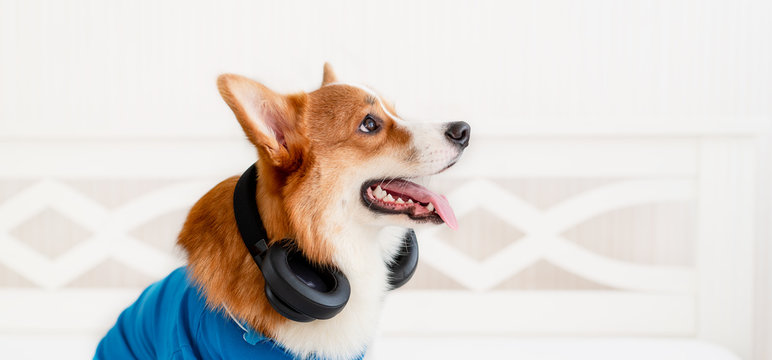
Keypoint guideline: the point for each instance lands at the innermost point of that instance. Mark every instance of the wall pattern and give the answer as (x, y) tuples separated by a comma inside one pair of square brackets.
[(60, 219)]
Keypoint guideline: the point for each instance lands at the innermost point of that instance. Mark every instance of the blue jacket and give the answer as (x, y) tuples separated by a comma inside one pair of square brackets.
[(170, 320)]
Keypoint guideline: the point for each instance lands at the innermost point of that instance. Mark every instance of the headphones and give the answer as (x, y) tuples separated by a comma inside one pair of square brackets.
[(295, 288)]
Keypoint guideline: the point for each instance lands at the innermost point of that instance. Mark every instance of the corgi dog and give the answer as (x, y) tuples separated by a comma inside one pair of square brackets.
[(336, 167)]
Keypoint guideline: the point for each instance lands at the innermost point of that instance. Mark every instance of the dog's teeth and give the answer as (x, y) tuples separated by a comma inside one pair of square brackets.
[(409, 201), (378, 189), (379, 193), (389, 198), (430, 207), (400, 201)]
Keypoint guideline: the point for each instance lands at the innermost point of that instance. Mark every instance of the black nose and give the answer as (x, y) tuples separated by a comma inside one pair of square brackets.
[(458, 133)]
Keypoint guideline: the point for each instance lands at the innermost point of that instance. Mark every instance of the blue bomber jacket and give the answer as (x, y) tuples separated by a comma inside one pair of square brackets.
[(170, 320)]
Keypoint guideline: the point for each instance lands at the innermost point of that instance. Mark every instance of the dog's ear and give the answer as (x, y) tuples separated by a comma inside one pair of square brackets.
[(269, 120), (329, 76)]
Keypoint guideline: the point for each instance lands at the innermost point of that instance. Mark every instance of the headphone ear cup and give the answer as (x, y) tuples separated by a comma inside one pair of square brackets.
[(406, 261), (284, 309), (296, 287)]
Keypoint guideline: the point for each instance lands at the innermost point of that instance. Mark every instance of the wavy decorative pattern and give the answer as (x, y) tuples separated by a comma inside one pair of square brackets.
[(110, 230), (542, 240), (111, 239)]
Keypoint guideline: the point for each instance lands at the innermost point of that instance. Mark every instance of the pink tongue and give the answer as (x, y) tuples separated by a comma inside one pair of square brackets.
[(422, 194)]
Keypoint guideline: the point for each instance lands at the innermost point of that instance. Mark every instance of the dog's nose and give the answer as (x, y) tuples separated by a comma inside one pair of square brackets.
[(458, 133)]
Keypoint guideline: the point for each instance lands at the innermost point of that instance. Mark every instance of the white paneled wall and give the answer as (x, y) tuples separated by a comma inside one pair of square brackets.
[(601, 120)]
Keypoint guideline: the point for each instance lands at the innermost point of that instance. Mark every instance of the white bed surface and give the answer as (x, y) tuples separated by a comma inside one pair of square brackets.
[(548, 349), (63, 347)]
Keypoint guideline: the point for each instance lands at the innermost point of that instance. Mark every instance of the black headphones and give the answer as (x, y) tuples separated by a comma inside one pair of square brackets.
[(294, 287)]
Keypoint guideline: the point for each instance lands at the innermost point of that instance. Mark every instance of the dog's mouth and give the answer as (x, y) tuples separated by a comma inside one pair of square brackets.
[(400, 196)]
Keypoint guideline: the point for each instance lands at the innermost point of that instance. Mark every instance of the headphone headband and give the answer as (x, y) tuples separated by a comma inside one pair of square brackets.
[(248, 219)]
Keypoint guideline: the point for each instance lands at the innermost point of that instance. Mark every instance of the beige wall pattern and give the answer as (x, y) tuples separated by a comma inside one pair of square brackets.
[(660, 234)]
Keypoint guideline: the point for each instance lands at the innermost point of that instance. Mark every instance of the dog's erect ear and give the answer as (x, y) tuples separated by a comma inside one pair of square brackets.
[(269, 119), (329, 76)]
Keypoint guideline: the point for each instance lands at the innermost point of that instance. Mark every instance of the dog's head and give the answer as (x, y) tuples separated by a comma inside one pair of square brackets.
[(341, 154)]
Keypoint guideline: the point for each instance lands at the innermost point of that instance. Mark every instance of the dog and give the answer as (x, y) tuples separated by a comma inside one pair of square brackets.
[(335, 168)]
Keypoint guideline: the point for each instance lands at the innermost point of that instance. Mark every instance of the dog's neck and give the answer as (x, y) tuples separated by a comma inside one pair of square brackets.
[(348, 333), (351, 247), (212, 242)]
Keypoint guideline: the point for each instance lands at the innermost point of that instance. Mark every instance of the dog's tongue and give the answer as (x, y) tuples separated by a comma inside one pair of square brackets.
[(422, 194)]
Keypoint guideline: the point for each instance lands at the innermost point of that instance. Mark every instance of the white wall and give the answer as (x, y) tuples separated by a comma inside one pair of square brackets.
[(142, 73), (122, 69)]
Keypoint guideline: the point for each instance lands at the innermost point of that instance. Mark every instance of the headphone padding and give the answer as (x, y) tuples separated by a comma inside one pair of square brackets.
[(406, 261), (284, 309), (298, 296)]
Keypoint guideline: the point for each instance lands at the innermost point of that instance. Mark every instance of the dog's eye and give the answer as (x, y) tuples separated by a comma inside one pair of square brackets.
[(369, 125)]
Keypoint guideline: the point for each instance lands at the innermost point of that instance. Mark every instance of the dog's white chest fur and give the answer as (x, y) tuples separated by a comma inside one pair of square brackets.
[(361, 254)]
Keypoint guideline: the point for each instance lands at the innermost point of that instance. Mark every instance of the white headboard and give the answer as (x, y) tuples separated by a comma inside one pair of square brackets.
[(709, 297), (707, 293)]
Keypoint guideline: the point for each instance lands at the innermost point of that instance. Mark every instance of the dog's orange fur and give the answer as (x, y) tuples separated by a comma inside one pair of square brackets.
[(316, 138), (219, 263)]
